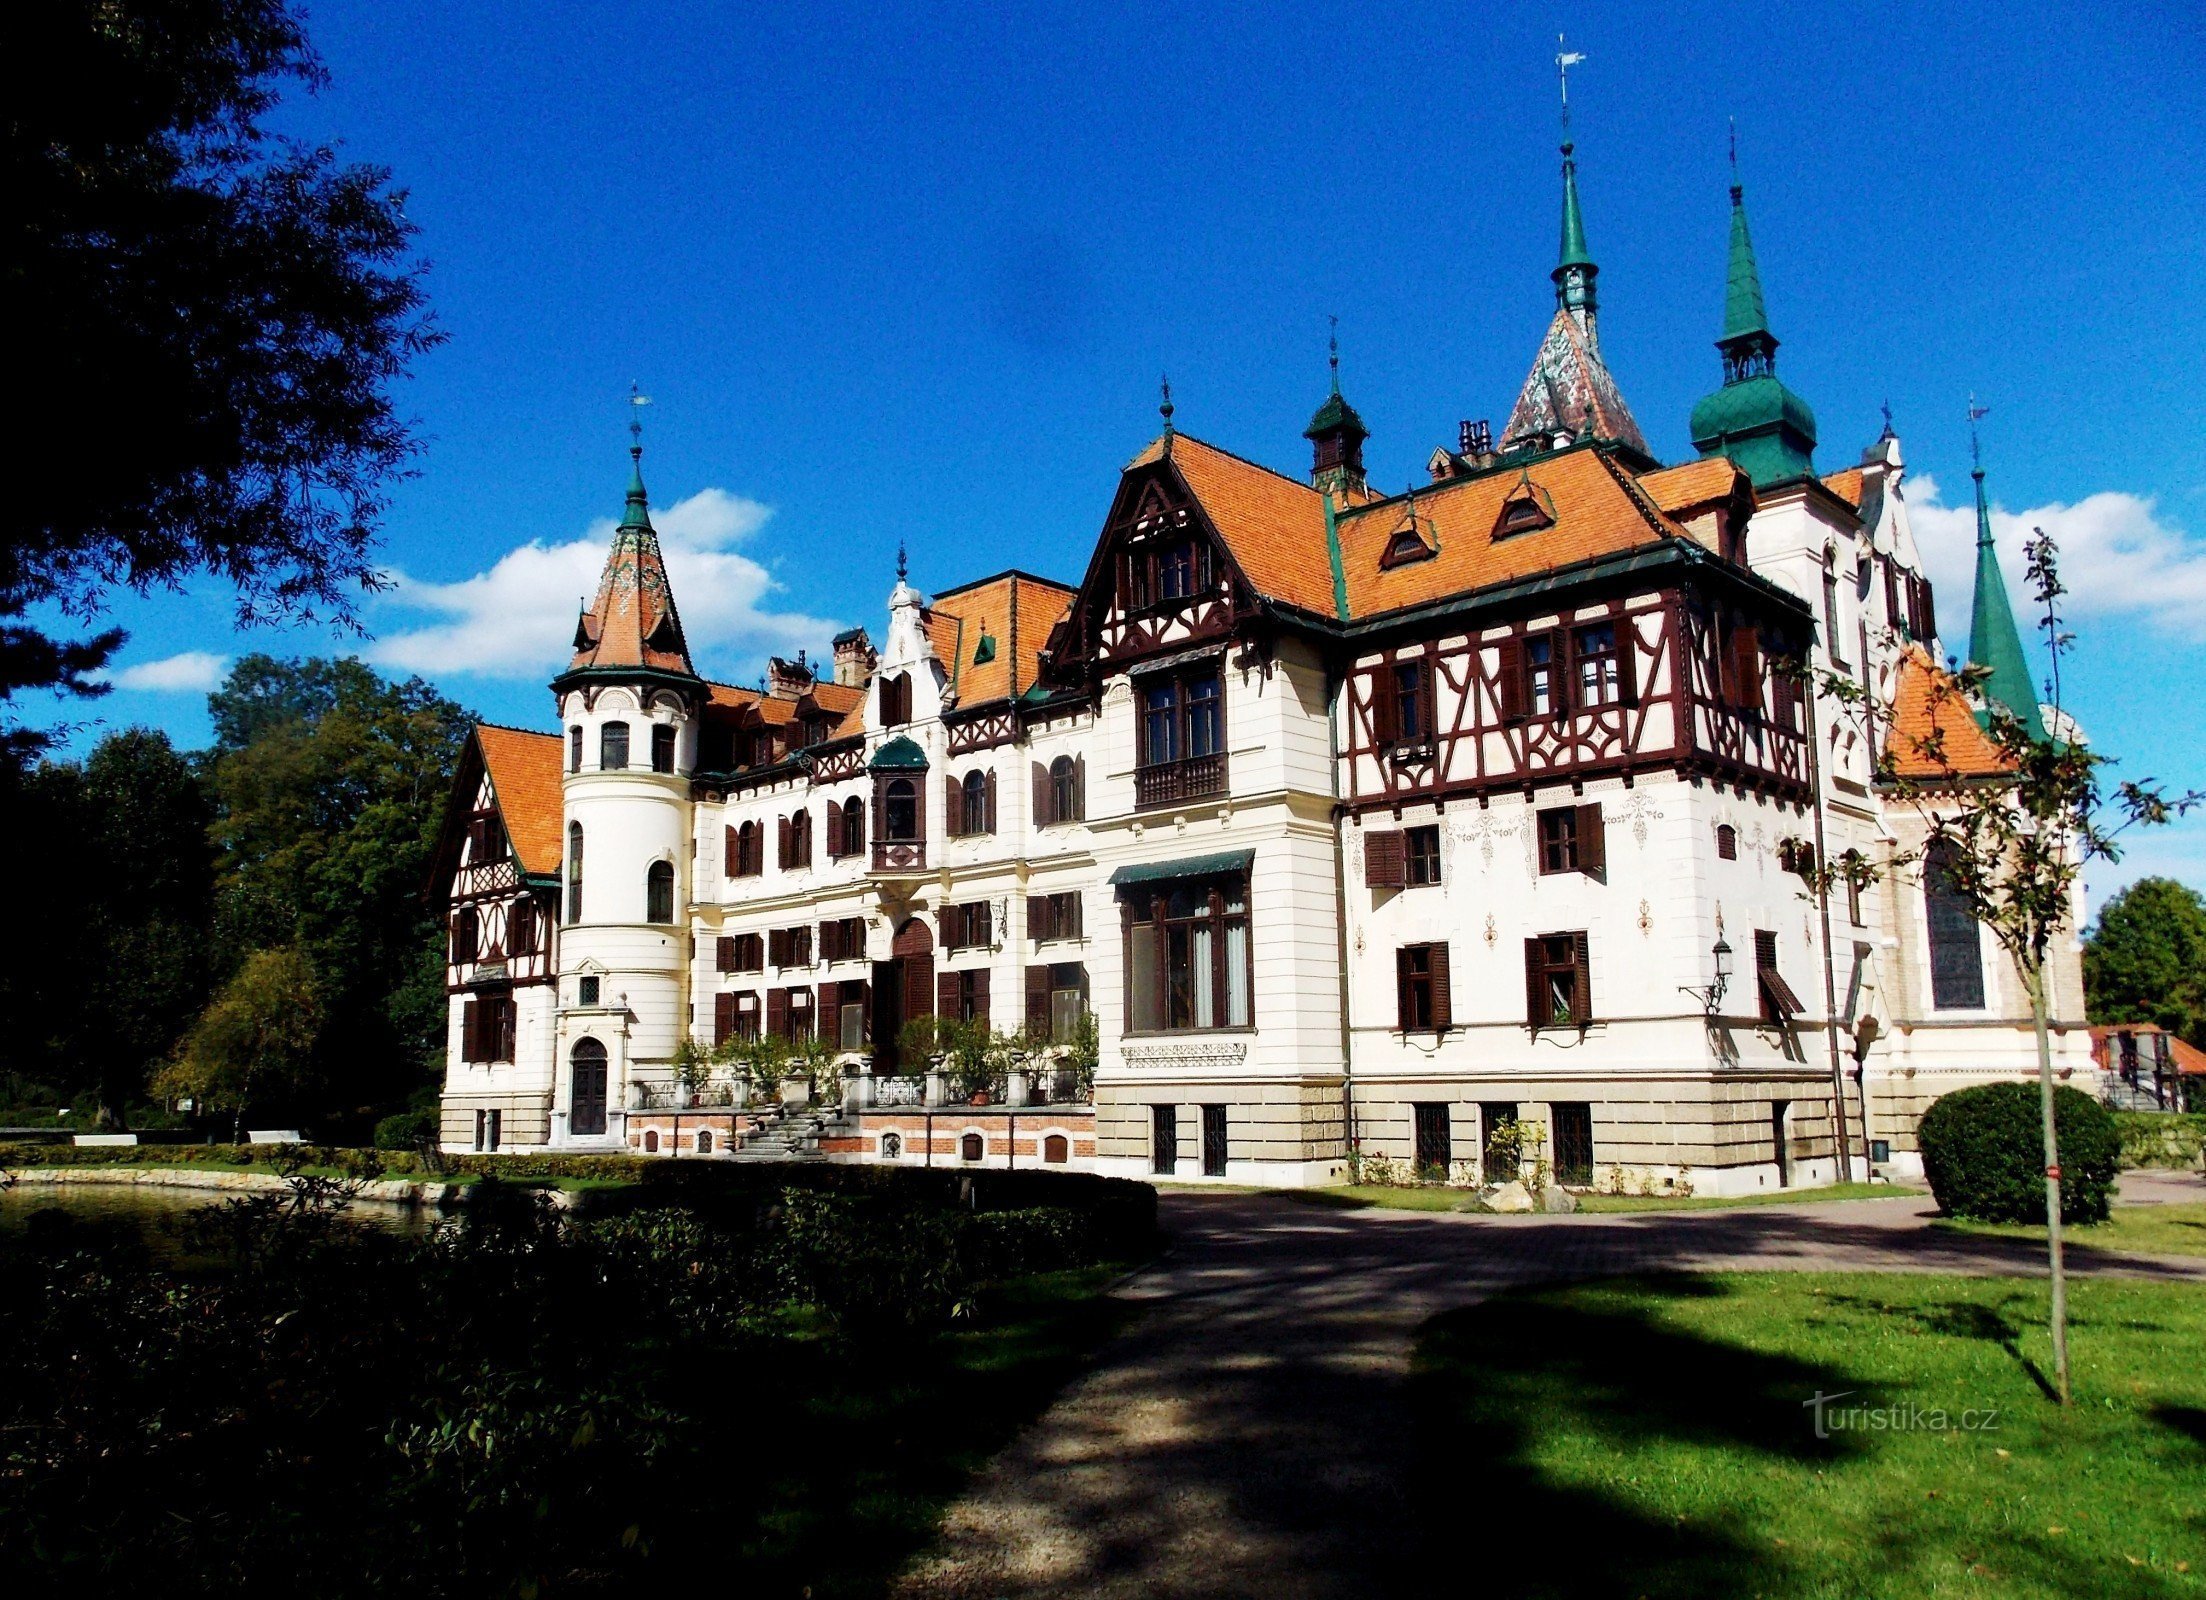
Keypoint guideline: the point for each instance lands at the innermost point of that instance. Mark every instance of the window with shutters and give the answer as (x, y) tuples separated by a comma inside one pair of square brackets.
[(574, 872), (1053, 916), (1421, 856), (1559, 839), (612, 747), (843, 939), (1543, 683), (789, 947), (1187, 955), (964, 994), (1779, 1004), (662, 747), (1384, 856), (466, 934), (967, 926), (746, 851), (1727, 842), (971, 804), (794, 836), (746, 953), (1558, 981), (488, 1025), (1409, 721), (521, 928), (1956, 946), (801, 1020), (1421, 988), (846, 828), (1603, 678), (896, 700), (485, 839), (1056, 999), (1057, 794), (747, 1015), (1742, 667)]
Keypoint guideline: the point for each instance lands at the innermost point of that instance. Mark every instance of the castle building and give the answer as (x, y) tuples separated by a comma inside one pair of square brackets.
[(1458, 828)]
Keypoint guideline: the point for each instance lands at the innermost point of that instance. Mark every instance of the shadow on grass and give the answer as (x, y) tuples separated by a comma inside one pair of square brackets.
[(2190, 1421), (823, 1472), (1967, 1319)]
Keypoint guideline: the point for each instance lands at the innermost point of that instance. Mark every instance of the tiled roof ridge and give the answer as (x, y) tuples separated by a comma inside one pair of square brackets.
[(1221, 450), (526, 733), (1017, 574), (1639, 497)]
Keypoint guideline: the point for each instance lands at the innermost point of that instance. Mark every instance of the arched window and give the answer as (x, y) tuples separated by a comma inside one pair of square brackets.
[(750, 854), (658, 892), (586, 1107), (978, 816), (574, 748), (1956, 948), (574, 872), (1727, 842), (970, 1148), (1055, 1151), (1064, 790), (651, 1141), (901, 811), (896, 699), (612, 747), (854, 827), (704, 1141), (466, 934), (892, 1146)]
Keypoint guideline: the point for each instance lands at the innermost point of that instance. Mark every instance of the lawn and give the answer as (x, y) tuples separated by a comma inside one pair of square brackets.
[(1654, 1438), (1439, 1197), (2142, 1230)]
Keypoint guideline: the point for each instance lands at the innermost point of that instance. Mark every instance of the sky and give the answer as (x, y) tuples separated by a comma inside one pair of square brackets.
[(912, 274)]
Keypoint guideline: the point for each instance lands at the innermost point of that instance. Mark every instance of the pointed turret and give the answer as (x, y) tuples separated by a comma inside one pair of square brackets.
[(633, 623), (1754, 419), (1995, 642), (1569, 383), (1336, 436)]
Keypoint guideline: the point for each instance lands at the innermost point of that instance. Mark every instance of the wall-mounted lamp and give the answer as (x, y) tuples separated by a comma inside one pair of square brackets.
[(1711, 995)]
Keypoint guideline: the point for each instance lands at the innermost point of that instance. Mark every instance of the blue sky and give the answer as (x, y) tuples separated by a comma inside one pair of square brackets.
[(912, 274)]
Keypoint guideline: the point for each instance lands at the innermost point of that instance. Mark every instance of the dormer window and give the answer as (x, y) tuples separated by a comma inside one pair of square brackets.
[(1165, 572), (1407, 545), (1527, 508)]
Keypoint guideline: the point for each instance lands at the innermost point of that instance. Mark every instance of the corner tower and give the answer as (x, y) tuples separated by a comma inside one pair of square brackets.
[(1754, 419), (629, 702)]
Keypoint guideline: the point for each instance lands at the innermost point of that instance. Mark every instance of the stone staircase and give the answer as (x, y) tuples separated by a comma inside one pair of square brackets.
[(785, 1134)]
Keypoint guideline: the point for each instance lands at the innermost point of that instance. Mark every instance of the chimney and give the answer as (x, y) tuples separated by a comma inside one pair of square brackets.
[(854, 658), (787, 680)]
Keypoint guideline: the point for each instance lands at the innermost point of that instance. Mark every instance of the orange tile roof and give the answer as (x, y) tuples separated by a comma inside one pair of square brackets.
[(1928, 699), (1846, 485), (1273, 525), (987, 608), (633, 622), (1598, 511), (524, 773), (1708, 481), (2188, 1057)]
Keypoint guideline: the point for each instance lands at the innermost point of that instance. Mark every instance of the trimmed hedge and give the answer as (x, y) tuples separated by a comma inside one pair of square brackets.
[(1984, 1153), (2162, 1139), (409, 1130)]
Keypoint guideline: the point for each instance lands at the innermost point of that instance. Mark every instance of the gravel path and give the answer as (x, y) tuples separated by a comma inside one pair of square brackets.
[(1239, 1439)]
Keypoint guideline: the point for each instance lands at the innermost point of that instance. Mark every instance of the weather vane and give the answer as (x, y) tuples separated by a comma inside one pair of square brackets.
[(636, 402), (1565, 59), (1976, 452)]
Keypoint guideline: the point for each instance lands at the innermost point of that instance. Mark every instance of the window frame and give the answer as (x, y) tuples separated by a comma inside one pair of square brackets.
[(1547, 957), (610, 734), (664, 738), (1421, 867), (658, 894), (1182, 714), (1145, 913)]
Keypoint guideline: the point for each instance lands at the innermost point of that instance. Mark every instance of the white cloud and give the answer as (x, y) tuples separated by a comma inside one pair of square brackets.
[(2117, 557), (193, 671), (517, 619)]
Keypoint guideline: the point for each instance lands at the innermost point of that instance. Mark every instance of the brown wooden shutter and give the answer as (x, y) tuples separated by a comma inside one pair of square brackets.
[(781, 842), (1079, 790), (988, 823), (731, 861), (862, 992), (777, 1011), (1563, 669), (980, 996), (1535, 986), (1068, 915), (945, 994), (827, 1021), (1383, 859), (1443, 1003), (919, 989), (723, 954), (1894, 617), (880, 809), (1930, 608), (1627, 662), (953, 805), (1041, 917), (1402, 1012), (1746, 649), (470, 1032), (1042, 818), (509, 1024), (723, 1018), (1511, 674), (800, 940), (1386, 706), (1582, 958), (1037, 999), (1593, 843)]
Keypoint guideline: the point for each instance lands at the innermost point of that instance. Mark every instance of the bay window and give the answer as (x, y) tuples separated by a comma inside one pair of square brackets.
[(1187, 956)]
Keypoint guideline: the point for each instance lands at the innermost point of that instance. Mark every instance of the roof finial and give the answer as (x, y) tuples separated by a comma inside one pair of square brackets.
[(1887, 409), (637, 400), (1736, 188), (1565, 59), (1976, 449), (638, 513), (1164, 409), (1333, 352), (902, 564)]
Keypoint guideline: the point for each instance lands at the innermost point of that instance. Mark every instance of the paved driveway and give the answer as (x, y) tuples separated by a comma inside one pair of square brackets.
[(1240, 1439)]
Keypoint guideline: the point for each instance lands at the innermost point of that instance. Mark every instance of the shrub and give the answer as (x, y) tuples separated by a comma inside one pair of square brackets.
[(2157, 1139), (1984, 1153), (409, 1130)]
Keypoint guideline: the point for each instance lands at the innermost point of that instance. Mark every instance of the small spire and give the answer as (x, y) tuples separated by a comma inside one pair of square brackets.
[(1164, 408), (1744, 315), (638, 514), (1574, 269), (1994, 640), (1333, 353)]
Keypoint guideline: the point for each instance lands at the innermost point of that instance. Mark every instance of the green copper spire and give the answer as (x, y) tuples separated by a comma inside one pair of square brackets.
[(1574, 269), (1754, 419), (1994, 640), (638, 514)]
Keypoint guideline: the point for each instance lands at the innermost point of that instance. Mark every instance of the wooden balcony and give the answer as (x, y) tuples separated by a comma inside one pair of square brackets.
[(1172, 783), (900, 855)]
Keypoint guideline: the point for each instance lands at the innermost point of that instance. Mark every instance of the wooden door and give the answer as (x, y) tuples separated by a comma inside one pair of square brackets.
[(586, 1111)]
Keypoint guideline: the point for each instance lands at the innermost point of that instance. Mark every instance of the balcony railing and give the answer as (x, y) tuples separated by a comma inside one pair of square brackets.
[(899, 855), (1170, 783)]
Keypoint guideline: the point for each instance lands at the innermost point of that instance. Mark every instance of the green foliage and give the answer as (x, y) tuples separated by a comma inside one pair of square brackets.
[(408, 1130), (226, 312), (255, 1044), (2157, 1139), (1984, 1153), (2145, 961)]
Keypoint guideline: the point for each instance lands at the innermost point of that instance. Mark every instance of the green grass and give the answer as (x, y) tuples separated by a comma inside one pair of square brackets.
[(1437, 1197), (1649, 1437), (2141, 1230)]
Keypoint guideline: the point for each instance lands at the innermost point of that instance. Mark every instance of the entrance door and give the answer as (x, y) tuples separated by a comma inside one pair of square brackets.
[(586, 1110)]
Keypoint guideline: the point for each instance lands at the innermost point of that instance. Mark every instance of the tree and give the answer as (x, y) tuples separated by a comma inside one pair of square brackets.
[(2146, 959), (216, 314), (255, 1043), (330, 784), (2012, 844)]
